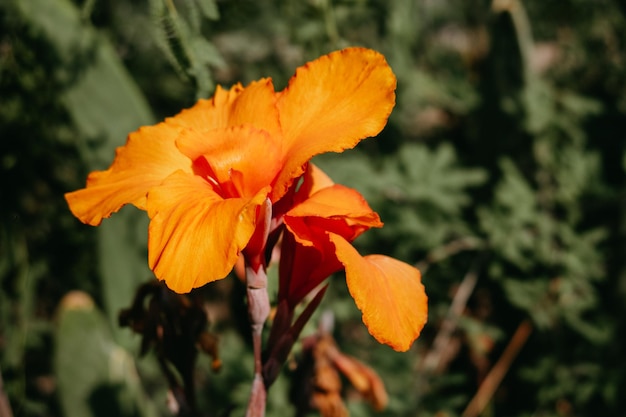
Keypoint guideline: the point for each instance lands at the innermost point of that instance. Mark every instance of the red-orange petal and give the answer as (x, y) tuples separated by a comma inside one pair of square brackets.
[(336, 209), (337, 201), (314, 180), (149, 156), (388, 292), (242, 159), (331, 104), (195, 236), (302, 268)]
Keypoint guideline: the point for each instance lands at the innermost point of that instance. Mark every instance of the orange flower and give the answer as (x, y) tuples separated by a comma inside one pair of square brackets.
[(324, 220), (208, 175)]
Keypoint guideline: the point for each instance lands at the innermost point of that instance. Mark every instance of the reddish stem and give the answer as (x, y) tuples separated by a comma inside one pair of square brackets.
[(258, 311), (258, 305)]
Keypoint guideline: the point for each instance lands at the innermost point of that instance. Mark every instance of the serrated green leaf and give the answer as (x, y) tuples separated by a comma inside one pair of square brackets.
[(180, 37), (209, 9)]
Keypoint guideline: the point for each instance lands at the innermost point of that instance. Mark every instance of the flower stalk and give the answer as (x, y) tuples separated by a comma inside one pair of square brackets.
[(258, 304), (258, 311)]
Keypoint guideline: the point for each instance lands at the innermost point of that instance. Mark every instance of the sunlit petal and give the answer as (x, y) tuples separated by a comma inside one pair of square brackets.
[(331, 104), (256, 106), (388, 292), (208, 113), (195, 236), (253, 105), (149, 156)]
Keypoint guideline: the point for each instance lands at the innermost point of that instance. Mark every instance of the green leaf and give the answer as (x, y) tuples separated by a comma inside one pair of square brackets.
[(209, 9), (105, 105), (512, 223), (179, 35), (96, 376)]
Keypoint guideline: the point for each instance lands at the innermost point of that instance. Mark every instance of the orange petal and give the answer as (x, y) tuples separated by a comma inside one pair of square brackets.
[(148, 157), (388, 292), (195, 236), (242, 159), (314, 179), (254, 105), (208, 114), (336, 209), (337, 201), (331, 104)]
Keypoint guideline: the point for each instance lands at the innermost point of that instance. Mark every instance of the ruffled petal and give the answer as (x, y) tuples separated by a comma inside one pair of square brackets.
[(253, 105), (256, 106), (388, 292), (331, 104), (149, 156), (241, 159), (208, 113), (195, 236)]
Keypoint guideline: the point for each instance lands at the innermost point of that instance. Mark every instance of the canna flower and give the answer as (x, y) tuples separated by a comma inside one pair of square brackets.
[(208, 176), (321, 225)]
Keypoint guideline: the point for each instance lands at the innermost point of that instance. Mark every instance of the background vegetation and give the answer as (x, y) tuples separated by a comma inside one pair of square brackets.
[(500, 175)]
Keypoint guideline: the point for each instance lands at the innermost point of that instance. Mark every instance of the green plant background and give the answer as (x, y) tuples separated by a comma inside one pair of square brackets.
[(502, 170)]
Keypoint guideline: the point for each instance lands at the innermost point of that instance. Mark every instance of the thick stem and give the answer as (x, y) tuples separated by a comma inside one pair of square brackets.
[(258, 311), (258, 303), (258, 398)]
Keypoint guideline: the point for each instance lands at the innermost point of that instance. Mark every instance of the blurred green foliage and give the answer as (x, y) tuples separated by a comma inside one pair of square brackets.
[(504, 160)]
